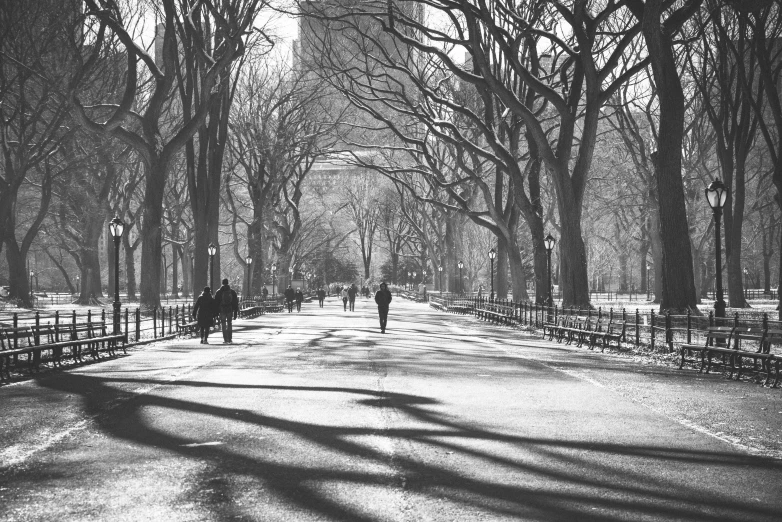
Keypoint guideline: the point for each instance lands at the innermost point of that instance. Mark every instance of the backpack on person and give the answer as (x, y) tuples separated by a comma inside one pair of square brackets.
[(226, 300)]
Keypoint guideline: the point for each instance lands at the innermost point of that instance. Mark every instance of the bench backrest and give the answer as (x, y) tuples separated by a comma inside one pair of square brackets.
[(771, 338), (724, 333), (742, 334)]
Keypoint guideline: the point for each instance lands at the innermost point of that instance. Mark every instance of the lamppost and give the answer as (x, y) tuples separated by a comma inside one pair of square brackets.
[(461, 281), (746, 277), (249, 261), (492, 255), (116, 227), (290, 281), (212, 249), (549, 242), (78, 284), (412, 283), (274, 276), (716, 195), (32, 295), (409, 285), (648, 287), (440, 269), (423, 277)]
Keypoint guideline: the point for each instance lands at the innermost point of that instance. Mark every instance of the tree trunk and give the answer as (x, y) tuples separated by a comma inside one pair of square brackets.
[(643, 252), (501, 269), (17, 274), (151, 238), (574, 280), (90, 261), (678, 283), (130, 266), (255, 246)]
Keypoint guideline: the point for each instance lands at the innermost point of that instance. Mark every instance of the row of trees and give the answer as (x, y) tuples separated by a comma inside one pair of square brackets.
[(635, 105), (601, 122)]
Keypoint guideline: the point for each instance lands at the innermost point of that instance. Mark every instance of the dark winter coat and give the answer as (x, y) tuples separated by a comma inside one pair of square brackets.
[(289, 294), (299, 297), (352, 291), (321, 294), (234, 310), (383, 298), (204, 310)]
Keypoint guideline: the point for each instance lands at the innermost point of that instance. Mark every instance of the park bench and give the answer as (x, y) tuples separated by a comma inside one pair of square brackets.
[(34, 340), (764, 340), (556, 327), (573, 328), (186, 328), (715, 337), (613, 331), (496, 313)]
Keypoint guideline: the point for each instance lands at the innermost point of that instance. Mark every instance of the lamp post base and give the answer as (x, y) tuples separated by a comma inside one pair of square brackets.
[(117, 306), (719, 308)]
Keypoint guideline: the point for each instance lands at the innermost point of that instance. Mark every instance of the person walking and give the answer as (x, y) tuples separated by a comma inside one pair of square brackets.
[(352, 291), (229, 309), (299, 299), (290, 295), (321, 296), (344, 299), (383, 299), (265, 293), (204, 312)]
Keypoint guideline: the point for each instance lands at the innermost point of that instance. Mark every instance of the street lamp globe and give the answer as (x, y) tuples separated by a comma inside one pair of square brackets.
[(274, 267), (116, 227), (440, 268), (492, 254), (716, 194), (549, 242), (212, 249), (248, 260), (460, 265)]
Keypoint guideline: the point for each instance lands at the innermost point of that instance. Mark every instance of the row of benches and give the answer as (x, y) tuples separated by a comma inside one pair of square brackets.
[(726, 347), (590, 329), (33, 341)]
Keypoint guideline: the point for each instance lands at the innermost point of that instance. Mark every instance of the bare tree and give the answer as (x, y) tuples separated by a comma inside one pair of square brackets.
[(137, 119), (33, 122)]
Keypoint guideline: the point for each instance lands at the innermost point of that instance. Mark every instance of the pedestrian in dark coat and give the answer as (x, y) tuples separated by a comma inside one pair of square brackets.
[(352, 291), (299, 299), (228, 302), (383, 299), (204, 312), (290, 295), (344, 299), (321, 296)]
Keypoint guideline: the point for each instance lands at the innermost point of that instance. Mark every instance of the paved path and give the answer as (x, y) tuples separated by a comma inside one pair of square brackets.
[(317, 416)]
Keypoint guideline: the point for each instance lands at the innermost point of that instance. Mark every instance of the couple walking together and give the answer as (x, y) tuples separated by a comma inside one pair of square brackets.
[(225, 303), (349, 297)]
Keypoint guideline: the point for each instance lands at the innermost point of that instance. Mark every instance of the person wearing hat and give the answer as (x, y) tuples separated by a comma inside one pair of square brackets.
[(383, 299), (203, 312)]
